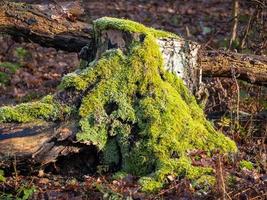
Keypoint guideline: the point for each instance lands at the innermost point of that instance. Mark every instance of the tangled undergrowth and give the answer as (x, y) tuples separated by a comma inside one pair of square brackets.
[(142, 118)]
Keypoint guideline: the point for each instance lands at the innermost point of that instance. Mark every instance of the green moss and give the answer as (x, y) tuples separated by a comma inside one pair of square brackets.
[(119, 175), (106, 23), (140, 116), (231, 181), (150, 184), (244, 164), (12, 67), (46, 109), (6, 70), (205, 182), (111, 153)]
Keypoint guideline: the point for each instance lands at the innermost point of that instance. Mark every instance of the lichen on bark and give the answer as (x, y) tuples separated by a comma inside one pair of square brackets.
[(142, 118)]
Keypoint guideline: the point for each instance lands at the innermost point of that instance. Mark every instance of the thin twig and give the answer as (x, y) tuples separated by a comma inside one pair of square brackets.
[(242, 43), (235, 22), (220, 179), (238, 95)]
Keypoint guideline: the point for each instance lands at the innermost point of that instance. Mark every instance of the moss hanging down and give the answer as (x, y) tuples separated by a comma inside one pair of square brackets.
[(141, 117)]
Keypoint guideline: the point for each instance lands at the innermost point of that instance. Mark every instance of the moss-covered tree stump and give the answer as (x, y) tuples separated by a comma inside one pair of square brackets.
[(133, 102)]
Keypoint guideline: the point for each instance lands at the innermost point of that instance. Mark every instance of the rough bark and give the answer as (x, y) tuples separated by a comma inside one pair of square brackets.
[(33, 24), (36, 142)]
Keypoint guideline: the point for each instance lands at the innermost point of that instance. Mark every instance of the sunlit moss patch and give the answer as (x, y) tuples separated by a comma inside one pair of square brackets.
[(46, 109)]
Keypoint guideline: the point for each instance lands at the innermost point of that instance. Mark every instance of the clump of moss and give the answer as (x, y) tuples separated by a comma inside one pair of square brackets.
[(21, 53), (46, 109), (142, 118), (106, 23), (6, 70), (204, 183), (231, 181), (244, 164)]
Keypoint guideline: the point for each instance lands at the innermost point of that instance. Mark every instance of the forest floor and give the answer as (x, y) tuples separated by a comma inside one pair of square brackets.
[(29, 71)]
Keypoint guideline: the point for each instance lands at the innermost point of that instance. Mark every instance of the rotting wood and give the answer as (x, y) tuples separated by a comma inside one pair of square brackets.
[(36, 142), (33, 24)]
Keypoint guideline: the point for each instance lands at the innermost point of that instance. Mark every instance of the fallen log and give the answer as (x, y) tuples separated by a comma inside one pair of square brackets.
[(36, 142), (39, 25), (44, 25), (246, 67)]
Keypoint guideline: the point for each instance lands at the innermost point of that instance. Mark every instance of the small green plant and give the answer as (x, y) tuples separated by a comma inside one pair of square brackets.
[(204, 183), (119, 175), (21, 53), (225, 122), (9, 68), (23, 193), (102, 169), (235, 44), (12, 67), (2, 178), (6, 69), (108, 193), (246, 164), (223, 43), (6, 196), (3, 78), (231, 181)]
